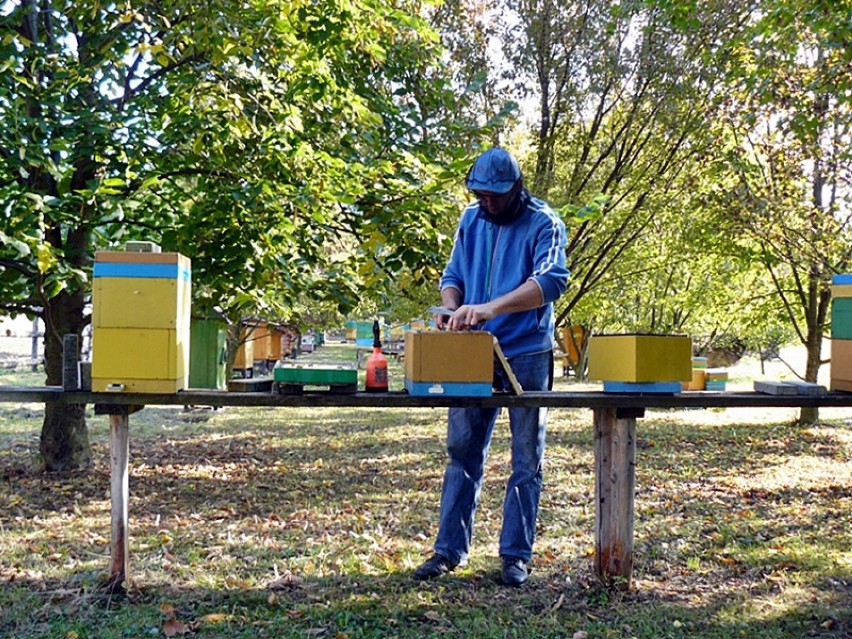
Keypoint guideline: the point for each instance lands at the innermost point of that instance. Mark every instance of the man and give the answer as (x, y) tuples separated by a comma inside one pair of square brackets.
[(506, 268)]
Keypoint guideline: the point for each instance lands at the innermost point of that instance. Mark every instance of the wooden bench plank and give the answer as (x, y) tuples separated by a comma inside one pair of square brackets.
[(401, 399)]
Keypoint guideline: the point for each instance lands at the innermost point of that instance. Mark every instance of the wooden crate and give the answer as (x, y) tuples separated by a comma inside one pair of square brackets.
[(449, 362)]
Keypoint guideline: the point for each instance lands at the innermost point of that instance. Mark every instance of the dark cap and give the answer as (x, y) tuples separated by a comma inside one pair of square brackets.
[(495, 171)]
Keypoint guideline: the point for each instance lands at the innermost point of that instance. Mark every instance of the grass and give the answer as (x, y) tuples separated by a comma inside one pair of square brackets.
[(308, 522)]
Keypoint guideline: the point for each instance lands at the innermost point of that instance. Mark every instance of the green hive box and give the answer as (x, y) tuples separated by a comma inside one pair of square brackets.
[(841, 318), (315, 375), (208, 353)]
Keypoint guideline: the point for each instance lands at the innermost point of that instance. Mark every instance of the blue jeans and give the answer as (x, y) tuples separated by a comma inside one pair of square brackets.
[(469, 433)]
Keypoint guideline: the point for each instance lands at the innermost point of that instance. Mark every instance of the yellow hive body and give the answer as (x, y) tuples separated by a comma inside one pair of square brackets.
[(140, 302), (697, 381), (245, 353), (640, 358), (273, 345), (572, 339), (259, 337), (150, 360), (841, 290), (141, 324)]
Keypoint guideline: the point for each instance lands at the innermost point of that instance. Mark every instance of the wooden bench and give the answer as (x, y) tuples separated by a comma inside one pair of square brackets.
[(614, 421)]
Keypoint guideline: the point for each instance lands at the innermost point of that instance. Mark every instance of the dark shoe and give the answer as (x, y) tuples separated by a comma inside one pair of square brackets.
[(514, 571), (435, 566)]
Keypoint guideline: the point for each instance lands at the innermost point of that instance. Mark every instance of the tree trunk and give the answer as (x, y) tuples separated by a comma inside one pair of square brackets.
[(810, 414), (65, 437), (64, 441)]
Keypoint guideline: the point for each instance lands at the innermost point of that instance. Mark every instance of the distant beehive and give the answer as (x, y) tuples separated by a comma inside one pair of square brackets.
[(141, 322), (716, 379), (244, 358), (699, 374)]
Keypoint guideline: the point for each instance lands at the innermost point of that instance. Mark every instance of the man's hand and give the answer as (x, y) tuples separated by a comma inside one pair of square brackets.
[(441, 318), (469, 316)]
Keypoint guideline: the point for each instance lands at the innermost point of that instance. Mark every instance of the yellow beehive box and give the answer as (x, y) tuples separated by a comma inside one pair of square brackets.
[(245, 356), (841, 290), (273, 345), (449, 356), (258, 335), (640, 358), (572, 339), (141, 302), (697, 381), (699, 366), (146, 360), (141, 321)]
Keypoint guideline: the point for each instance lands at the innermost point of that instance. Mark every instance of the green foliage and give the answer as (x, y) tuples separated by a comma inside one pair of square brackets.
[(304, 155), (625, 93), (784, 156), (696, 151), (295, 151)]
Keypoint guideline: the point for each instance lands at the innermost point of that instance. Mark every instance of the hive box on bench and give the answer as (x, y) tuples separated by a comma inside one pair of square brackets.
[(841, 318), (316, 375), (449, 363), (841, 364), (640, 358), (141, 322), (841, 332)]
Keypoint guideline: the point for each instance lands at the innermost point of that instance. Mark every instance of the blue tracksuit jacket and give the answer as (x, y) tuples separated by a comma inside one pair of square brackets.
[(490, 260)]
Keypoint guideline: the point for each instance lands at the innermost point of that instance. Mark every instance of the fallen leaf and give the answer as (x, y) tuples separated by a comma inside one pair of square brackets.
[(168, 610), (214, 617), (287, 581), (174, 627)]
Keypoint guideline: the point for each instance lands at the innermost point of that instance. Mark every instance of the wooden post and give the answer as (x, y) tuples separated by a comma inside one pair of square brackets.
[(70, 360), (615, 474), (119, 441)]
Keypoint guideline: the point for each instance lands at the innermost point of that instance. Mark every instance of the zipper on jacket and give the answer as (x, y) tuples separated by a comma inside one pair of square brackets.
[(490, 252)]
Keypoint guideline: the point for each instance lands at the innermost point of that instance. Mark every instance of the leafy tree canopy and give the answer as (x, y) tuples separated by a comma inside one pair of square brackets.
[(303, 153), (292, 149)]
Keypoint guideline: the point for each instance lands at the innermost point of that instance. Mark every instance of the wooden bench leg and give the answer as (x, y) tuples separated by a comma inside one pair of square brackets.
[(119, 441), (615, 471)]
